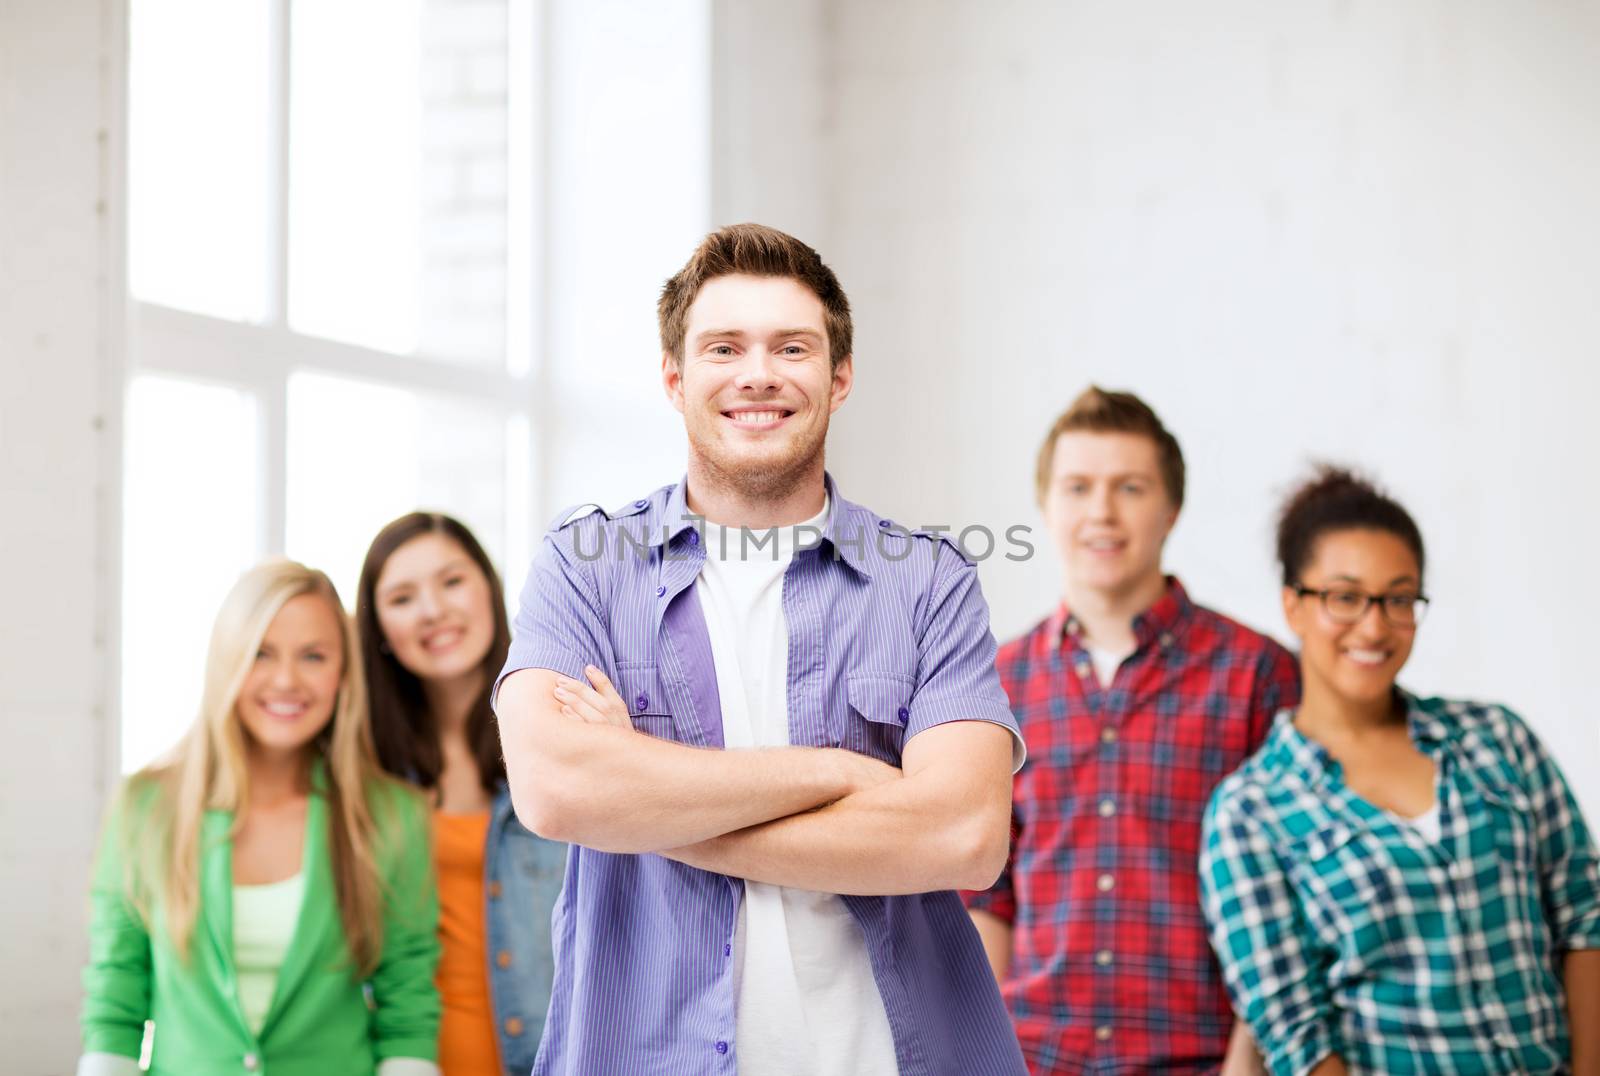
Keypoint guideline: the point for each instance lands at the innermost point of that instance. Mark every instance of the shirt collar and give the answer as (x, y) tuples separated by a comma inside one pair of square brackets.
[(1162, 623), (675, 518), (1287, 747), (850, 548)]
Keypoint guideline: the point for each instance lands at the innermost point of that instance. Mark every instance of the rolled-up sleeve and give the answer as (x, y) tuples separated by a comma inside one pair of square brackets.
[(560, 623), (956, 678), (1569, 869), (1262, 941)]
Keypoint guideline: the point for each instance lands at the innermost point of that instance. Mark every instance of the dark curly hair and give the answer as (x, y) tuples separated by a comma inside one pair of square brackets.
[(1337, 499)]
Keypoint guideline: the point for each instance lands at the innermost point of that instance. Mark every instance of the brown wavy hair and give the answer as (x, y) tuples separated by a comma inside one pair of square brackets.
[(1098, 410), (403, 728), (755, 250)]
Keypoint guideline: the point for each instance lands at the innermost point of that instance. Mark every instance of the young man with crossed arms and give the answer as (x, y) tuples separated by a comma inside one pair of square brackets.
[(774, 760)]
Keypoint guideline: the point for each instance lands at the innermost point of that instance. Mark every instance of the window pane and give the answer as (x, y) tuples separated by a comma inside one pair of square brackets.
[(197, 155), (190, 526), (361, 454), (397, 213)]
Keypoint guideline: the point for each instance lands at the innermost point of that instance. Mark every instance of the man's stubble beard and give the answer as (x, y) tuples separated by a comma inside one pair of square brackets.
[(771, 480)]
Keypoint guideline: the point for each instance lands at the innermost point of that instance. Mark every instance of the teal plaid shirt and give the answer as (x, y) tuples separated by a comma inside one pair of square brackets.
[(1342, 929)]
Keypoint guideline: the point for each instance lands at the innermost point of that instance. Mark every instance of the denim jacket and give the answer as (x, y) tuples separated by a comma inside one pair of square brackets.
[(522, 879)]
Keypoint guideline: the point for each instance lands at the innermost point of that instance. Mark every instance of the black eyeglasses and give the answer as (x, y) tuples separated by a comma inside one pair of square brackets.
[(1402, 609)]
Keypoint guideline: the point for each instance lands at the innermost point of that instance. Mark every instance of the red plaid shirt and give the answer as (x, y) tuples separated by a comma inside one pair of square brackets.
[(1111, 970)]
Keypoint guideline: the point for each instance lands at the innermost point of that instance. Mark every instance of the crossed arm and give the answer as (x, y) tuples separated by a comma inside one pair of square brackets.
[(814, 818)]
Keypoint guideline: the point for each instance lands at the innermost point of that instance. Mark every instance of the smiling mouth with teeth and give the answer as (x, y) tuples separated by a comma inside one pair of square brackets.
[(758, 418)]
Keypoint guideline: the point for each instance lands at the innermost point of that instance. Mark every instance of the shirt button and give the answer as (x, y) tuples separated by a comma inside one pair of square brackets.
[(694, 537), (883, 522), (513, 1027), (251, 1062), (1081, 668), (1105, 883), (503, 959), (722, 1047), (1107, 808), (1166, 638), (1108, 735), (661, 592), (641, 702), (903, 714), (727, 949), (1103, 1033), (639, 504), (494, 890), (1103, 958)]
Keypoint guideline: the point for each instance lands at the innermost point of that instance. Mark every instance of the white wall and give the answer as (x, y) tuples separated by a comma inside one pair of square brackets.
[(58, 430), (627, 142), (1349, 230)]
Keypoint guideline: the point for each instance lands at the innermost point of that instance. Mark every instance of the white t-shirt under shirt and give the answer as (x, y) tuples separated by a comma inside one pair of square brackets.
[(1106, 663), (1427, 823), (807, 1001)]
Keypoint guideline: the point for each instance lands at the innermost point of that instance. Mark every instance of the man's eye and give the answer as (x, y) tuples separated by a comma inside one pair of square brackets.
[(1132, 487), (721, 350)]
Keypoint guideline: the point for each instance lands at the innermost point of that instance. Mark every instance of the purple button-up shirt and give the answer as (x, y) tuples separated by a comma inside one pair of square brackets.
[(888, 636)]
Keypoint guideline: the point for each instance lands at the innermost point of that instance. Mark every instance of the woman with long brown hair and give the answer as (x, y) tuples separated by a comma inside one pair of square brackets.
[(432, 621), (264, 896)]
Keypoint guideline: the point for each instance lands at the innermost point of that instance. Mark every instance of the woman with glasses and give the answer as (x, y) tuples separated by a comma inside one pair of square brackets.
[(1396, 884)]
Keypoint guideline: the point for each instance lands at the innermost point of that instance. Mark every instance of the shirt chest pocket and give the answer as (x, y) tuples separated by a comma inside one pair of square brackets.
[(1508, 816), (646, 699), (875, 721), (1348, 886)]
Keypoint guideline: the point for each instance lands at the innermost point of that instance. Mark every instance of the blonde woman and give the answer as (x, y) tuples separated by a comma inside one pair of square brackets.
[(265, 896)]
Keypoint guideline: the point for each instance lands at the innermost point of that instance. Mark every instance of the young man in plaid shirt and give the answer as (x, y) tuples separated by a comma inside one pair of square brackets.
[(1134, 703)]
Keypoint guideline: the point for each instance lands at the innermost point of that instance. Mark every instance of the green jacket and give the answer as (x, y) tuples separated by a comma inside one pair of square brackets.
[(320, 1021)]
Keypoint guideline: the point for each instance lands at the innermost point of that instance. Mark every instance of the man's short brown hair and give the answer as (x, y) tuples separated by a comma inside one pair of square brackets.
[(756, 250), (1099, 411)]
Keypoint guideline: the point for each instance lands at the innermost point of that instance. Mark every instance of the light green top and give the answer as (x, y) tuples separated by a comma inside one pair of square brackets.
[(263, 924)]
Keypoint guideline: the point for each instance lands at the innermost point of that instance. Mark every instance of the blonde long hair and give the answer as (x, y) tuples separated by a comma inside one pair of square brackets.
[(208, 770)]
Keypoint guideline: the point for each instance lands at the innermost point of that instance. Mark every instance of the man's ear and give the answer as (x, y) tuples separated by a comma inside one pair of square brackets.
[(672, 379), (844, 379)]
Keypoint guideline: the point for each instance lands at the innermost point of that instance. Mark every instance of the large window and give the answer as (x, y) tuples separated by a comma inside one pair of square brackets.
[(328, 229)]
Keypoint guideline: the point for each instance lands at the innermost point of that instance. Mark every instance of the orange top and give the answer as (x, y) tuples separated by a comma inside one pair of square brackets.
[(467, 1044)]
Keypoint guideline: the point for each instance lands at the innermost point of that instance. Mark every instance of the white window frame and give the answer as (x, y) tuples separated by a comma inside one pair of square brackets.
[(259, 357)]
